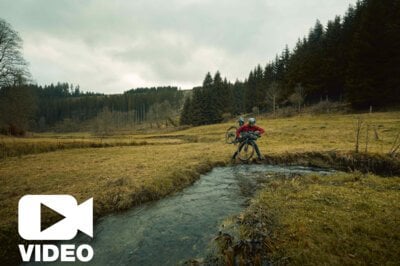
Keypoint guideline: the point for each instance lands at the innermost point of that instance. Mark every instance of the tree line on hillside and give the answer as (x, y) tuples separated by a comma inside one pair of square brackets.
[(38, 108), (354, 58)]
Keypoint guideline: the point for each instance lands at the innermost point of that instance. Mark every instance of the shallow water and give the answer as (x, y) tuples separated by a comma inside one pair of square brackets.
[(181, 226)]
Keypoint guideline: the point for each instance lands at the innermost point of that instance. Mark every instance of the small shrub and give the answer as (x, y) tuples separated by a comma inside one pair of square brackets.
[(286, 112), (324, 107)]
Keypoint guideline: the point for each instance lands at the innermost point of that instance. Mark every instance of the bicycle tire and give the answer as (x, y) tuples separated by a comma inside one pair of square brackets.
[(246, 152), (230, 135)]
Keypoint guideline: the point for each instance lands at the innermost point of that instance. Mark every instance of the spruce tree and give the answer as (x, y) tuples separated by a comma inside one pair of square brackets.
[(250, 92), (198, 107), (186, 114), (374, 56)]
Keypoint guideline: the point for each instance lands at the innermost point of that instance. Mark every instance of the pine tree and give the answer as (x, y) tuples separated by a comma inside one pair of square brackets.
[(227, 96), (260, 88), (197, 107), (332, 64), (250, 92), (211, 106), (238, 98), (186, 114), (216, 100), (373, 71)]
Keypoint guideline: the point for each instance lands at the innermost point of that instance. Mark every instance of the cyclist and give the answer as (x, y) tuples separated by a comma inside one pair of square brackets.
[(250, 127)]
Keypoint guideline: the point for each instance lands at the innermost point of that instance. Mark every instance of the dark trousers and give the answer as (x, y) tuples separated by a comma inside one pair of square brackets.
[(241, 147)]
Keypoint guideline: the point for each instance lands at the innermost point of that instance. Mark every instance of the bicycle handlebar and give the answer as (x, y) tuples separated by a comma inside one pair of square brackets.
[(250, 135)]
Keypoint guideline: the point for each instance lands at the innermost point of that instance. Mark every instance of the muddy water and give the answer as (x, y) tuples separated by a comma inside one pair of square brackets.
[(182, 226)]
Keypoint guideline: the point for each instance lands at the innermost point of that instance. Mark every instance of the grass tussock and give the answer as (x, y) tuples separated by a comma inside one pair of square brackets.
[(343, 219), (382, 164), (17, 147)]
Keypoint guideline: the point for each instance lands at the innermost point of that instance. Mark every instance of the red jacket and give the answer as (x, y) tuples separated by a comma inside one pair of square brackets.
[(247, 127)]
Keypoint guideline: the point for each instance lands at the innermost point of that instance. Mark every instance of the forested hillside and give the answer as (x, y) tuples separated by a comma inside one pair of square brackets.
[(354, 58), (41, 108)]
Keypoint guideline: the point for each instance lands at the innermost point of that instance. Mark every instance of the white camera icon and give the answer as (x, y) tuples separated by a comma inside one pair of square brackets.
[(76, 217)]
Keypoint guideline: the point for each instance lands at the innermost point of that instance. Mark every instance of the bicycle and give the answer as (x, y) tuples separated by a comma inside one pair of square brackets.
[(246, 147), (230, 135)]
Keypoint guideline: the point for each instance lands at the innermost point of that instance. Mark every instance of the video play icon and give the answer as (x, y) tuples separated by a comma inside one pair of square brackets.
[(71, 217)]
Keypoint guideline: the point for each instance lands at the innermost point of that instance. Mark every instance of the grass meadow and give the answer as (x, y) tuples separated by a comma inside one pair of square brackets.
[(338, 219)]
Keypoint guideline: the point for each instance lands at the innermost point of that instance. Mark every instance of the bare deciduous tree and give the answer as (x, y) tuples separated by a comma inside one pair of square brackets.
[(13, 67), (104, 122), (161, 112), (273, 94), (255, 110), (298, 96)]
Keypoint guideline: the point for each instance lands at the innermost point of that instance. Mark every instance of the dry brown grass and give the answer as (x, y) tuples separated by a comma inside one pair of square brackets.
[(11, 147), (343, 219), (120, 176)]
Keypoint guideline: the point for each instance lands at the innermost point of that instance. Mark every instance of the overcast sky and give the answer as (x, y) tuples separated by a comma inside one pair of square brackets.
[(112, 46)]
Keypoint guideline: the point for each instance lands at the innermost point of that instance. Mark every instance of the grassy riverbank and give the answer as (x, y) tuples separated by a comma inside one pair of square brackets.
[(133, 168), (343, 219)]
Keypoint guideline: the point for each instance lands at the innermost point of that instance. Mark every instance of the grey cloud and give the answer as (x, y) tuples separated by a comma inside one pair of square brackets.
[(111, 46)]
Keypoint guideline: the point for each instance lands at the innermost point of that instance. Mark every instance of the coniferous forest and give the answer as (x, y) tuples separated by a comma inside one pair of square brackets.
[(354, 58), (42, 108)]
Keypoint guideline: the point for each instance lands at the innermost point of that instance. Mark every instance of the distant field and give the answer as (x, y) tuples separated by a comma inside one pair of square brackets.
[(124, 170)]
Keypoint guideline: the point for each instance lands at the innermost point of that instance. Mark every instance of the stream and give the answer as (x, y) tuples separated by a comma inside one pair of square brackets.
[(181, 226)]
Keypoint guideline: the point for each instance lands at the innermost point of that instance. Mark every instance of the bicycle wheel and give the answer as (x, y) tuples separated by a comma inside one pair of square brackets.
[(246, 152), (230, 135)]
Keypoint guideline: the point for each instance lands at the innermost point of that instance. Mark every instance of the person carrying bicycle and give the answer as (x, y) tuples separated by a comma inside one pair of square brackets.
[(250, 127)]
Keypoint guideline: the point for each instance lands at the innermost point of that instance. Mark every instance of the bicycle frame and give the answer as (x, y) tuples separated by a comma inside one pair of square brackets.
[(247, 141)]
